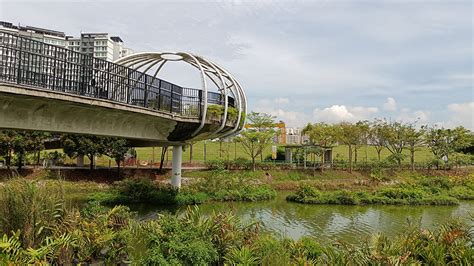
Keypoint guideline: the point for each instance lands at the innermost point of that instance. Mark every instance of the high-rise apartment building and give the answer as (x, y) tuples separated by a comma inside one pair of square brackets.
[(53, 37), (99, 45)]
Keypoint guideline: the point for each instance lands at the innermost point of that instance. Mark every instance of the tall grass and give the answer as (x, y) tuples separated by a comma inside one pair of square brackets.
[(31, 208), (45, 232)]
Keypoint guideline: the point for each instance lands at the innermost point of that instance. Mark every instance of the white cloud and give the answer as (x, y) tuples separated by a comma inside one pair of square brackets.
[(462, 114), (418, 117), (339, 113), (281, 101), (272, 107), (390, 104)]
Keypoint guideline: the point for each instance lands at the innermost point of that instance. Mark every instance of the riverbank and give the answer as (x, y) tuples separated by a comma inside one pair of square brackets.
[(50, 232), (327, 187)]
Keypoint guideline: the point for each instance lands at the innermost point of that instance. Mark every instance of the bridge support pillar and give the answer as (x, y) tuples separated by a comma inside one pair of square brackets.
[(177, 161)]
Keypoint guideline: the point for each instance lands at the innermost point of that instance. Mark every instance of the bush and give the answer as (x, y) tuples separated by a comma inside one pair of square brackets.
[(146, 191), (402, 195), (462, 193), (222, 186)]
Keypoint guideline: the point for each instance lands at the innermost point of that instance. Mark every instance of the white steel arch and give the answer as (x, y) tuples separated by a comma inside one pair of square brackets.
[(223, 80)]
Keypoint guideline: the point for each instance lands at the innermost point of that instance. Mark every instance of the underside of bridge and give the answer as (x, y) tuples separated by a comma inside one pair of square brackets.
[(25, 108)]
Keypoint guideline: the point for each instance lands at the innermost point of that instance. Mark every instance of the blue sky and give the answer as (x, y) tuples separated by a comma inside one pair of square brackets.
[(303, 61)]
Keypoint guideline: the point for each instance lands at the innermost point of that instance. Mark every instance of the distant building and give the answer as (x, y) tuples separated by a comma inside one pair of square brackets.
[(53, 37), (295, 136), (99, 45)]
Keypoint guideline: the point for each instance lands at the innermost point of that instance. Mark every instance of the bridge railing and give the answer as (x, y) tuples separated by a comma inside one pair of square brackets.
[(30, 62)]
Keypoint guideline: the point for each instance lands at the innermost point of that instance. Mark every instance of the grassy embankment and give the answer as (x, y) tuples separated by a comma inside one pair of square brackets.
[(38, 228), (328, 187)]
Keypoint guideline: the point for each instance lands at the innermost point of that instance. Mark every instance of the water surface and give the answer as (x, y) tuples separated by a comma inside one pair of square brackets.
[(347, 223)]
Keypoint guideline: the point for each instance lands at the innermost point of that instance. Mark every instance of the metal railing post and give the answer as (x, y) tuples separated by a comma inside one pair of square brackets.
[(145, 96), (18, 74)]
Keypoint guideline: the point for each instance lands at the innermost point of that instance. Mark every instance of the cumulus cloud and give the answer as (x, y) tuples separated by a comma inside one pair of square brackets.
[(462, 114), (390, 104), (339, 113)]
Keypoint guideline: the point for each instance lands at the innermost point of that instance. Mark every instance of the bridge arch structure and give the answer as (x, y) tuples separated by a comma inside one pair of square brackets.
[(48, 88)]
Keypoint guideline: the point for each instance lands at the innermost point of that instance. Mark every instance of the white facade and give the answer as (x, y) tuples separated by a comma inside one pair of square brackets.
[(99, 45), (53, 37)]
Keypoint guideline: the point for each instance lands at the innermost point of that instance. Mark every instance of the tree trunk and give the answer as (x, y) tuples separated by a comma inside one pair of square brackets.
[(355, 155), (91, 159), (20, 160), (220, 149), (378, 154), (162, 159), (118, 168), (412, 159), (253, 164), (190, 153), (8, 159), (322, 162), (350, 158)]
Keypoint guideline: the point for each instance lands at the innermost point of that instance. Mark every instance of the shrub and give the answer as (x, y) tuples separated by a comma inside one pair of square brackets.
[(402, 195), (462, 193), (31, 208)]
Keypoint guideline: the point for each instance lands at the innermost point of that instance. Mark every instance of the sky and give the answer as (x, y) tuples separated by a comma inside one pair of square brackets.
[(302, 61)]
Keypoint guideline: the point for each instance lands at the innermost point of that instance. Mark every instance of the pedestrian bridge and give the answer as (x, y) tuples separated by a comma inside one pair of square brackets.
[(48, 88)]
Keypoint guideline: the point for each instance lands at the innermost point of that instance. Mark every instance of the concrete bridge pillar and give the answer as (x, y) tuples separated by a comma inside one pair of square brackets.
[(177, 161)]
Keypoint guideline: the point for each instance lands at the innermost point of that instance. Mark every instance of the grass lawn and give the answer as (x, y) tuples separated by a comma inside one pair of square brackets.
[(216, 151), (232, 151)]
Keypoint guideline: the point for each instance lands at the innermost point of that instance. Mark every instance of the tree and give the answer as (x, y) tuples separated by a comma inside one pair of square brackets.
[(255, 139), (19, 143), (164, 150), (36, 143), (350, 135), (321, 134), (116, 148), (444, 142), (363, 131), (395, 138), (376, 137), (414, 139), (77, 145), (9, 140)]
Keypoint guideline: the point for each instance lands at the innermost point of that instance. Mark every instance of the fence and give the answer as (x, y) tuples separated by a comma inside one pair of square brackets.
[(34, 63)]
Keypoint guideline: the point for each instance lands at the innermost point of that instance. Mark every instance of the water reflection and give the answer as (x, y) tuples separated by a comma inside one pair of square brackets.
[(348, 223)]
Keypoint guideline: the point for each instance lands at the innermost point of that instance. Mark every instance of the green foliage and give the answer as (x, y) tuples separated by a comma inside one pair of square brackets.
[(94, 146), (444, 142), (112, 236), (221, 185), (423, 193), (31, 208), (259, 136), (14, 145)]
